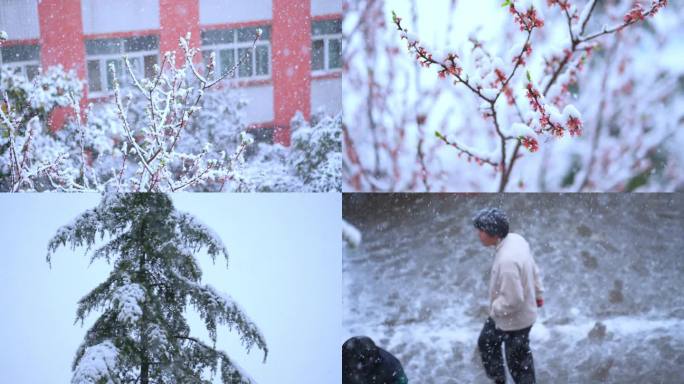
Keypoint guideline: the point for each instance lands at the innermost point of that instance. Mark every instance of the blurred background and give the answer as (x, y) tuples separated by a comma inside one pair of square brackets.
[(628, 90)]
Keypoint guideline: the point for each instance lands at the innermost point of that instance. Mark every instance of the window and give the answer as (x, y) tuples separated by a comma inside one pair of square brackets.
[(231, 45), (326, 47), (142, 52), (22, 59)]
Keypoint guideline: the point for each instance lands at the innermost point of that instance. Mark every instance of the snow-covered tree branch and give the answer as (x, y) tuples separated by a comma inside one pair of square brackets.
[(546, 78), (180, 129)]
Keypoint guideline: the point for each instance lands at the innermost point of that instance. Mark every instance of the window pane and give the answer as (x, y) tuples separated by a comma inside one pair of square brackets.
[(326, 27), (135, 66), (141, 43), (218, 37), (249, 34), (150, 61), (103, 46), (317, 55), (110, 78), (334, 53), (15, 70), (94, 80), (262, 60), (32, 71), (16, 53), (245, 69), (227, 59)]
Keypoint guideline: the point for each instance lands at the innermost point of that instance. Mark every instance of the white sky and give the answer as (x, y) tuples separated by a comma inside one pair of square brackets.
[(285, 271)]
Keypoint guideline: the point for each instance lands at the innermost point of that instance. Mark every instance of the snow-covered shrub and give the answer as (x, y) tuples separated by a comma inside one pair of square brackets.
[(316, 153), (312, 164), (32, 157), (50, 89), (220, 121), (175, 131)]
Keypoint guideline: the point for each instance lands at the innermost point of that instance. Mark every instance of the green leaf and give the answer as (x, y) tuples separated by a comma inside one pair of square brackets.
[(529, 77), (439, 135), (506, 3), (394, 16)]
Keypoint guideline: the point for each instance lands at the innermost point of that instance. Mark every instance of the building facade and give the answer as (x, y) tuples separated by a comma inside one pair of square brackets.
[(295, 66)]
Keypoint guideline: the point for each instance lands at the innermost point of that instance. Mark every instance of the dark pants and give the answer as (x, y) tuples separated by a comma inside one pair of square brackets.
[(518, 354)]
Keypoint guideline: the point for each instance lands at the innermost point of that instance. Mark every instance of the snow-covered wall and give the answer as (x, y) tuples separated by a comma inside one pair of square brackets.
[(259, 107), (326, 94), (232, 11), (19, 18), (325, 7), (105, 16)]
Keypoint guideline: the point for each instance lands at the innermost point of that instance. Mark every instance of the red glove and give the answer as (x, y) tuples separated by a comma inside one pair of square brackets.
[(540, 302)]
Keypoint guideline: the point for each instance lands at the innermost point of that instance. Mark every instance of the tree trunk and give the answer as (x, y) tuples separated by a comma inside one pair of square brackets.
[(144, 372), (144, 362)]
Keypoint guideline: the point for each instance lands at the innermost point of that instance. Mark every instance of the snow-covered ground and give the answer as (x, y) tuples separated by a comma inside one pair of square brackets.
[(612, 268)]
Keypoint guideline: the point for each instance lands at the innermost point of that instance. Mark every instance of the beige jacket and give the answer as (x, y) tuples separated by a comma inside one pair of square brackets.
[(514, 285)]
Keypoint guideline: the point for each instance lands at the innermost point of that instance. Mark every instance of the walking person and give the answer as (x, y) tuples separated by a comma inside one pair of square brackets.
[(515, 292)]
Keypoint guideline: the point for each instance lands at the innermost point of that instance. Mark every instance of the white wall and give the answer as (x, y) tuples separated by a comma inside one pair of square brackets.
[(259, 107), (325, 7), (234, 11), (326, 94), (19, 18), (105, 16)]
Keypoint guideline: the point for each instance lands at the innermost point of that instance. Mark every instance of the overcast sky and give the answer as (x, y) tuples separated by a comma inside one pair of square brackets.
[(285, 271)]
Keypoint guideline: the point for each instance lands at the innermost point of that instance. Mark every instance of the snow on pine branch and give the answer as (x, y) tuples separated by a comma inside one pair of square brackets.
[(126, 300), (146, 294), (233, 373), (215, 307), (195, 235), (96, 365)]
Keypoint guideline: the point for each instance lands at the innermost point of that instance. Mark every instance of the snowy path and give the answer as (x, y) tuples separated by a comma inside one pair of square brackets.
[(612, 269)]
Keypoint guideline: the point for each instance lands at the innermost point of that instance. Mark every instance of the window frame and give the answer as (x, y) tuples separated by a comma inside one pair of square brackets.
[(236, 45), (22, 65), (326, 38), (102, 59)]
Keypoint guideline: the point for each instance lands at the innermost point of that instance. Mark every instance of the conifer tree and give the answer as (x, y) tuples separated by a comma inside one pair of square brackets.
[(141, 335)]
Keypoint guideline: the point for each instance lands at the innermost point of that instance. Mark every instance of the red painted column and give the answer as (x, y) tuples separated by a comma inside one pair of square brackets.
[(291, 47), (61, 42), (176, 19)]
